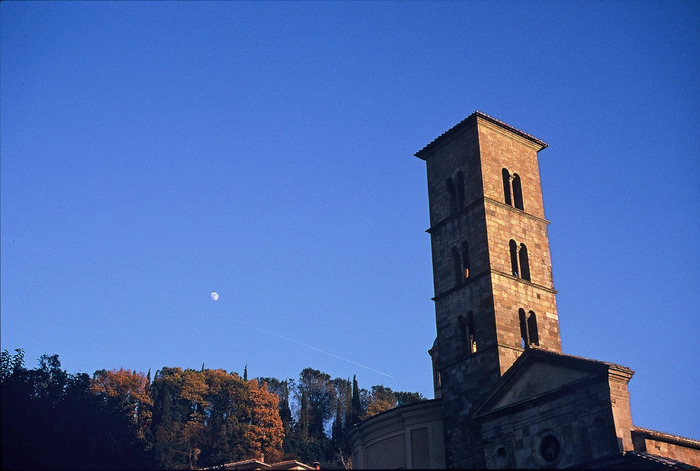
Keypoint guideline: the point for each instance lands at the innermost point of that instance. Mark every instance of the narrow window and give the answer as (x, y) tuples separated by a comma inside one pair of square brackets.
[(465, 260), (532, 329), (463, 333), (436, 371), (461, 201), (513, 257), (452, 195), (524, 264), (523, 328), (456, 260), (517, 192), (471, 335), (506, 186)]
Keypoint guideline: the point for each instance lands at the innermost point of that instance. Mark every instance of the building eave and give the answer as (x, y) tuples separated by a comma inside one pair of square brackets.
[(469, 121)]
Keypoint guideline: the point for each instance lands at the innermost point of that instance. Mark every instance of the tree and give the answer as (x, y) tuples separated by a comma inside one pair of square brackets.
[(129, 392), (281, 390), (266, 430), (342, 399), (403, 398), (316, 387), (170, 412), (211, 417), (51, 419), (381, 399), (356, 407), (184, 419)]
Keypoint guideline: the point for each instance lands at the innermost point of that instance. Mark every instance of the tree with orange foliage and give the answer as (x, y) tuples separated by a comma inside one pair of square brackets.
[(128, 391), (266, 427), (211, 417)]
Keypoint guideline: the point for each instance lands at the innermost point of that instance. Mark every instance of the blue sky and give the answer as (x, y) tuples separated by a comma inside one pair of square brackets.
[(154, 152)]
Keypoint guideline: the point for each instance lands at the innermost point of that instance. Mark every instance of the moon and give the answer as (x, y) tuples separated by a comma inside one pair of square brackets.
[(214, 295)]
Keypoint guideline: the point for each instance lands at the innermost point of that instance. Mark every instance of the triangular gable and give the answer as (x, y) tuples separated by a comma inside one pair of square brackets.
[(536, 373), (539, 378)]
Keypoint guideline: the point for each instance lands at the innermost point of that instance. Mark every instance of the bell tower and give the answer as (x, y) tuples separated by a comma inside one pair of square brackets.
[(494, 295)]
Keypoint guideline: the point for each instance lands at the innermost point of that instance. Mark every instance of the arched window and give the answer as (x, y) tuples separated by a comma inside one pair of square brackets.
[(523, 328), (506, 186), (524, 264), (462, 330), (466, 332), (513, 257), (471, 335), (528, 329), (519, 262), (465, 260), (532, 329), (461, 201), (452, 195), (517, 192), (457, 262)]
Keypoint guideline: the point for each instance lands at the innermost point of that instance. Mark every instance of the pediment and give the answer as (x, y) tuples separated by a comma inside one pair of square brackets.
[(537, 374), (540, 378)]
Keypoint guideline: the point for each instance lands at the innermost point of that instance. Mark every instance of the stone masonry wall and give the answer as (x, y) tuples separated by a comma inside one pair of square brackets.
[(478, 150), (501, 149)]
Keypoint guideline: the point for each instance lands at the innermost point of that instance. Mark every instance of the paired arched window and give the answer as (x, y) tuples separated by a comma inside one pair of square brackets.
[(512, 189), (456, 193), (460, 260), (519, 263), (528, 329), (467, 333)]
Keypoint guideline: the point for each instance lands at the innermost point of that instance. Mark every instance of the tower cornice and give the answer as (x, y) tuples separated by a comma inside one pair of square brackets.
[(484, 199), (467, 123), (493, 272)]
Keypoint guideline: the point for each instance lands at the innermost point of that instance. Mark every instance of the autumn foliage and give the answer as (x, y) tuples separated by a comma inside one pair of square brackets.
[(179, 419), (211, 417)]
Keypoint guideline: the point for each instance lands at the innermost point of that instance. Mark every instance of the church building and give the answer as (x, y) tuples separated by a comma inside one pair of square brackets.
[(506, 396)]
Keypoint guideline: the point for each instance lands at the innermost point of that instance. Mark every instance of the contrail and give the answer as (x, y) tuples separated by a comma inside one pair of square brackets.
[(288, 339), (322, 351)]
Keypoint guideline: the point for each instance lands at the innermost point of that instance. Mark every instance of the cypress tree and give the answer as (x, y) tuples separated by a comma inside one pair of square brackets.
[(356, 404)]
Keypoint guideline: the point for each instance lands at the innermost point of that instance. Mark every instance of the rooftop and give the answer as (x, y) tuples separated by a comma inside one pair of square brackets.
[(468, 121)]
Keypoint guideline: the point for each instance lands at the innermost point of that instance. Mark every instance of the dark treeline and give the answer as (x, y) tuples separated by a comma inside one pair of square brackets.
[(179, 419)]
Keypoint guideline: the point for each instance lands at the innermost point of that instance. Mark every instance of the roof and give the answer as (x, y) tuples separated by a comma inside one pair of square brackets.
[(291, 464), (466, 123), (666, 437), (613, 366), (402, 407), (633, 460), (427, 404), (581, 368), (256, 465)]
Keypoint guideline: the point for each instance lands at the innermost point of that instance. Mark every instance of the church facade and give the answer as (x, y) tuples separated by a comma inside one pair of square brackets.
[(506, 396)]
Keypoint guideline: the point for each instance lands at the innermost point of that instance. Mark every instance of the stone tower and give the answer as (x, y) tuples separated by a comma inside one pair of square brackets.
[(494, 295)]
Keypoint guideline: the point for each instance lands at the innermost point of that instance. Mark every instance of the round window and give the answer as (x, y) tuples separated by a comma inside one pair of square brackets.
[(549, 448)]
